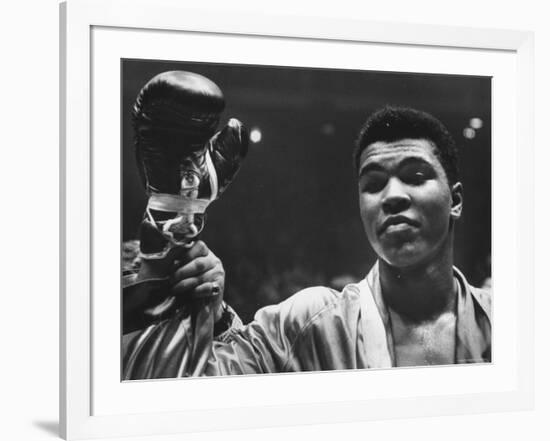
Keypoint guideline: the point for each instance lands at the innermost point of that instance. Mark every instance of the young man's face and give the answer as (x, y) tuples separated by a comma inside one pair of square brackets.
[(405, 201)]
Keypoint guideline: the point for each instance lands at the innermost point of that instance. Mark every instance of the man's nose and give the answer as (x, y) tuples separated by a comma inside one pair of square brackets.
[(395, 198)]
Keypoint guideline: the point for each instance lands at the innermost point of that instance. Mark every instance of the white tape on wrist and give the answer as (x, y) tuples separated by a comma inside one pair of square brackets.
[(177, 204)]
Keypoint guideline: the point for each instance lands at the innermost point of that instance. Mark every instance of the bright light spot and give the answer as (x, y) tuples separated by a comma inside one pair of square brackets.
[(255, 135), (328, 129), (469, 133), (476, 123)]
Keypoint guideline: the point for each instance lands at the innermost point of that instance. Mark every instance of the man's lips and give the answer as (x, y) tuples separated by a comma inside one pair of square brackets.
[(397, 220)]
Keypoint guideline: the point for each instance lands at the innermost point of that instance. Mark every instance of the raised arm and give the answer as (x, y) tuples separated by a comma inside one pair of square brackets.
[(308, 331), (177, 323)]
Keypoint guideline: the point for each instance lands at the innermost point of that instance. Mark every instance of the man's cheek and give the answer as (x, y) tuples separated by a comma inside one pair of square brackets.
[(438, 222), (368, 227)]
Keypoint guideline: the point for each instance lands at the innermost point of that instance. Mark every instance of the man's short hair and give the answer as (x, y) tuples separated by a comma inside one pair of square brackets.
[(391, 124)]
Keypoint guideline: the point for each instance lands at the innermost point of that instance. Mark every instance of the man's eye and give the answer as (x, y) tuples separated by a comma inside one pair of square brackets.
[(373, 182), (416, 178), (415, 175)]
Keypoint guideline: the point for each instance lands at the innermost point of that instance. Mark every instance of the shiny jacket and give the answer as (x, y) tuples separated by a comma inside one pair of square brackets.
[(316, 329)]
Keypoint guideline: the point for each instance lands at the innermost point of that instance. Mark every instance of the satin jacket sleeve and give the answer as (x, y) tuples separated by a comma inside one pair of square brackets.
[(315, 329)]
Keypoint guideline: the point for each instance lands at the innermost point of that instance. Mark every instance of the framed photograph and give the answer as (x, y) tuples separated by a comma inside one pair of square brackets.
[(330, 162)]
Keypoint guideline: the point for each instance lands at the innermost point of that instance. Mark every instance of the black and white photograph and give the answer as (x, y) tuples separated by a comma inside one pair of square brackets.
[(284, 219), (279, 220)]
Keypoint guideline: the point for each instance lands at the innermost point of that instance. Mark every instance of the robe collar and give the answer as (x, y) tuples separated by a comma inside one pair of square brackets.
[(473, 327)]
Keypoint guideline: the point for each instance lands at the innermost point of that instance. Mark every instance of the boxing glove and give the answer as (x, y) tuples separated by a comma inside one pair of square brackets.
[(183, 164)]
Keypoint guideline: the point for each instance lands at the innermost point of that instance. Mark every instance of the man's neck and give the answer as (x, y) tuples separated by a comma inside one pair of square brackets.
[(422, 292)]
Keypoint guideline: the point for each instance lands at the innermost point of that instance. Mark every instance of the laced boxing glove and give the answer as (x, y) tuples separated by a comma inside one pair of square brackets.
[(184, 166)]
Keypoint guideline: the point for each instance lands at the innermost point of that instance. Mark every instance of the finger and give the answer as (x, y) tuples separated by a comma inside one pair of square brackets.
[(185, 285), (196, 267), (206, 290), (185, 255)]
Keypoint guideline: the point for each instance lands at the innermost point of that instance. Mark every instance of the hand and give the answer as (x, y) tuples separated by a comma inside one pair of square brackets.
[(200, 276)]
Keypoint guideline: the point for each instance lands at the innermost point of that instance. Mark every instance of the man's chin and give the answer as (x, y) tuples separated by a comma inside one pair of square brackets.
[(405, 257)]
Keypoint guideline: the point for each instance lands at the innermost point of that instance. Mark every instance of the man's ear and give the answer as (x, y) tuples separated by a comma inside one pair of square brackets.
[(457, 198)]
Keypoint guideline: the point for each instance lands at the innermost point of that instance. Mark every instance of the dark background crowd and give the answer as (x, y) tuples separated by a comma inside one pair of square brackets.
[(290, 219)]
